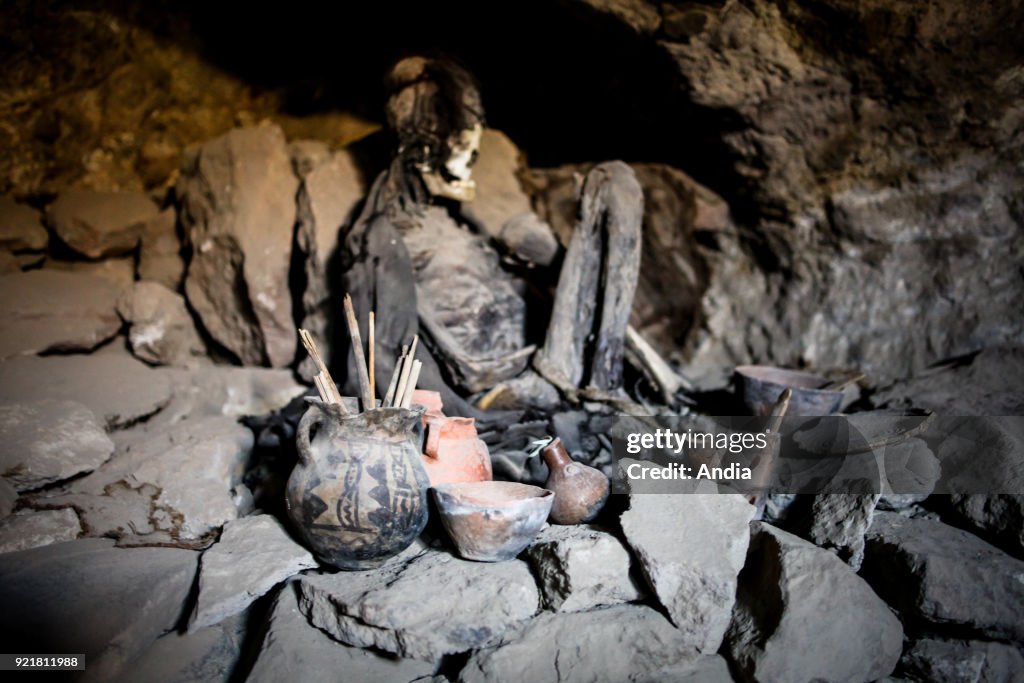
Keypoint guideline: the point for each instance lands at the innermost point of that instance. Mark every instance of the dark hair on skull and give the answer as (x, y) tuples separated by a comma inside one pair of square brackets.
[(430, 100)]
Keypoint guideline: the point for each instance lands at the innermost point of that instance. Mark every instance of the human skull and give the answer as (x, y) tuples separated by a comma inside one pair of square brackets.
[(455, 180), (434, 108)]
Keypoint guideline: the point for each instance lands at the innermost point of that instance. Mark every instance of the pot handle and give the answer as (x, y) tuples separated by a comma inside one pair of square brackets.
[(433, 437), (309, 419)]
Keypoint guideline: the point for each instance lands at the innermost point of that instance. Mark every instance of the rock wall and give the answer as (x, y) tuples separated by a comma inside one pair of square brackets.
[(872, 151), (868, 153)]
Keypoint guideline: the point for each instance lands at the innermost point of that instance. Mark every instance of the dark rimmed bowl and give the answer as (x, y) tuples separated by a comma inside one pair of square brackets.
[(492, 521), (761, 385)]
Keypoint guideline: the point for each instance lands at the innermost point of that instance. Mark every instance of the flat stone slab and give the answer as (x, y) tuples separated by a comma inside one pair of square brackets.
[(691, 548), (21, 227), (434, 605), (88, 596), (292, 646), (803, 615), (253, 555), (174, 485), (36, 529), (997, 517), (51, 310), (9, 263), (98, 224), (225, 390), (581, 567), (117, 388), (209, 655), (49, 440), (938, 575), (962, 661), (119, 271), (620, 643)]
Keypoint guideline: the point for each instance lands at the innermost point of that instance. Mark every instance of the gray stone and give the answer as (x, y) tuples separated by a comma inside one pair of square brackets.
[(987, 384), (529, 239), (160, 251), (175, 485), (98, 224), (206, 656), (50, 440), (237, 196), (981, 454), (8, 498), (434, 605), (998, 517), (620, 643), (44, 310), (35, 529), (691, 548), (911, 472), (939, 575), (117, 388), (9, 263), (709, 669), (499, 194), (332, 187), (580, 567), (838, 523), (959, 661), (162, 331), (224, 390), (292, 645), (330, 191), (253, 555), (21, 227), (119, 271), (803, 615), (89, 597), (903, 233), (779, 507)]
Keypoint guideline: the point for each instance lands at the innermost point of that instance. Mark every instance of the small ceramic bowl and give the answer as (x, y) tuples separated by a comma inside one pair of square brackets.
[(761, 385), (491, 521)]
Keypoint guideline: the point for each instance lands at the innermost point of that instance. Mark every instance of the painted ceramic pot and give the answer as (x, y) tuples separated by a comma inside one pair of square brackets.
[(580, 490), (358, 494), (491, 521)]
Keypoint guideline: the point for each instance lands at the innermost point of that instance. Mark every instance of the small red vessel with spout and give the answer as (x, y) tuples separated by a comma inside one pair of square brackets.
[(452, 453)]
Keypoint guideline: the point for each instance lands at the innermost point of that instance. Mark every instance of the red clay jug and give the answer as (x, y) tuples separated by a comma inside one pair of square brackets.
[(580, 490), (452, 452)]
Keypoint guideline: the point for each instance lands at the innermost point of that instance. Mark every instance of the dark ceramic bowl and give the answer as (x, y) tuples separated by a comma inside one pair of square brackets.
[(761, 385), (491, 521)]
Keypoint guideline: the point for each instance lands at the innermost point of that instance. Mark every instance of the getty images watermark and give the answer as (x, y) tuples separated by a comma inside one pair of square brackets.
[(680, 444), (862, 453)]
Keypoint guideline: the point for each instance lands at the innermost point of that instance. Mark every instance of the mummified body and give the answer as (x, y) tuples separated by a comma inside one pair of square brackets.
[(417, 261)]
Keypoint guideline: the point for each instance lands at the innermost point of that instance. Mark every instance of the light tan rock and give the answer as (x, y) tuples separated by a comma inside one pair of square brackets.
[(98, 224)]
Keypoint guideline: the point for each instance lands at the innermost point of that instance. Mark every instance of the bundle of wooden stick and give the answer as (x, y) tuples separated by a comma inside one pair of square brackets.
[(323, 381), (403, 380)]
